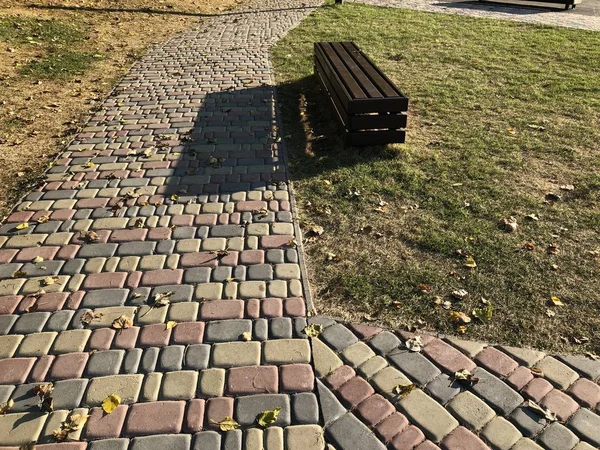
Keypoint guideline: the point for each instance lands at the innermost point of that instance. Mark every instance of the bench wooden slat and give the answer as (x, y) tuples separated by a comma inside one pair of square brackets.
[(353, 88), (332, 76), (363, 80)]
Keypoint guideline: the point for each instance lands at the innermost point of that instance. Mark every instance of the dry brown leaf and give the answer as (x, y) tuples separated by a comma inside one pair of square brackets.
[(122, 322), (6, 406)]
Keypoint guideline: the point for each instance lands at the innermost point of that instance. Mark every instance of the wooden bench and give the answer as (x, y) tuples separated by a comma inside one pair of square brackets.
[(568, 3), (370, 107)]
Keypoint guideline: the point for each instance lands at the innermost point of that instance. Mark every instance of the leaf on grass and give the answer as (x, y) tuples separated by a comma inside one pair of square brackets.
[(544, 412), (247, 336), (567, 187), (414, 344), (330, 256), (460, 318), (550, 313), (592, 356), (402, 390), (461, 329), (552, 249), (315, 230), (227, 424), (529, 246), (6, 406), (460, 294), (122, 322), (313, 330), (37, 259), (552, 197), (509, 225), (465, 376), (556, 301), (171, 324), (267, 418), (484, 314), (161, 299), (111, 403), (533, 217), (470, 262)]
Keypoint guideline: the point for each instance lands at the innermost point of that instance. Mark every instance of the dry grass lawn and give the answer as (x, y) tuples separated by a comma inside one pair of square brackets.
[(59, 60)]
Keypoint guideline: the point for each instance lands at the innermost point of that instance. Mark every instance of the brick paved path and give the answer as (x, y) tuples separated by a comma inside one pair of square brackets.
[(176, 192)]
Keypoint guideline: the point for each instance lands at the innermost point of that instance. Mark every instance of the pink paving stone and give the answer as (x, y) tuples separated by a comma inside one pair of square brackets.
[(560, 403), (39, 214), (222, 309), (339, 377), (253, 308), (27, 254), (235, 218), (68, 252), (462, 439), (252, 257), (273, 205), (520, 377), (9, 303), (537, 388), (496, 361), (252, 380), (158, 234), (375, 409), (156, 335), (6, 256), (126, 339), (294, 307), (15, 370), (206, 219), (68, 365), (105, 426), (199, 259), (106, 280), (427, 445), (40, 369), (52, 186), (586, 391), (63, 214), (276, 241), (425, 338), (182, 220), (188, 333), (19, 217), (216, 410), (50, 302), (62, 446), (194, 416), (91, 203), (231, 259), (75, 299), (271, 307), (223, 219), (447, 357), (250, 206), (409, 438), (162, 277), (284, 205), (391, 426), (297, 378), (133, 280), (136, 234), (154, 418), (355, 391), (364, 331), (101, 339)]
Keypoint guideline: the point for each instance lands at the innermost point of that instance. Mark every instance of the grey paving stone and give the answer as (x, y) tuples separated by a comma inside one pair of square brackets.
[(259, 272), (73, 266), (305, 409), (149, 359), (586, 425), (384, 342), (104, 298), (528, 422), (184, 233), (6, 323), (207, 440), (45, 269), (181, 293), (68, 393), (162, 442), (5, 392), (171, 358), (59, 320), (260, 331), (247, 408), (227, 330), (496, 392), (227, 231), (7, 270), (350, 433), (30, 323), (582, 364), (48, 227), (232, 440), (221, 273), (132, 360), (197, 356), (291, 256), (557, 437), (443, 389), (280, 328), (321, 320), (197, 275), (136, 248), (166, 247), (299, 326), (415, 365), (330, 406), (76, 323), (239, 273), (105, 362), (24, 399), (138, 296), (109, 444), (338, 337), (275, 256), (97, 250)]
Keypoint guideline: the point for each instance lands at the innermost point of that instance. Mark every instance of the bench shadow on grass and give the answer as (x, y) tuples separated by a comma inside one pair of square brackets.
[(314, 134)]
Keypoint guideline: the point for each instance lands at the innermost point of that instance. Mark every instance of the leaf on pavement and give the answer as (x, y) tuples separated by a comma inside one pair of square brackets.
[(313, 330), (267, 418), (247, 336), (465, 376), (22, 226), (43, 219), (37, 259), (544, 412), (90, 315), (414, 344), (161, 299), (227, 424), (6, 406), (171, 324), (122, 322), (402, 390), (111, 403)]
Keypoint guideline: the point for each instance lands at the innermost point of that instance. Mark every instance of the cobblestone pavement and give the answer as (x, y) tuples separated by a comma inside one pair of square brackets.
[(518, 13), (160, 262)]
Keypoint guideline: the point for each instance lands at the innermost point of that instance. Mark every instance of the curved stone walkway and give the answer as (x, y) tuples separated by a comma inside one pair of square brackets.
[(160, 262)]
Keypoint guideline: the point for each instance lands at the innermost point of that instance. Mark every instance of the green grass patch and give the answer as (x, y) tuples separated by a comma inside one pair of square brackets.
[(59, 64), (40, 32), (501, 114)]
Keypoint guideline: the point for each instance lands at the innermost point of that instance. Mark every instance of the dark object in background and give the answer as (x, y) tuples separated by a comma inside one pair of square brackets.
[(339, 2), (372, 110)]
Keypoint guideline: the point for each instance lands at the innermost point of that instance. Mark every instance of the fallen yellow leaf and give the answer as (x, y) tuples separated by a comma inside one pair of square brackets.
[(111, 403)]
